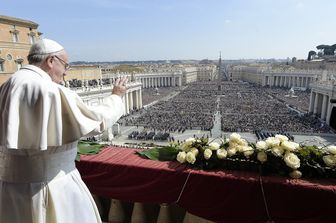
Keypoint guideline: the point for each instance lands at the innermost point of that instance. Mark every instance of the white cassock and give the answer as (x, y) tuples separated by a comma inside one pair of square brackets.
[(40, 125)]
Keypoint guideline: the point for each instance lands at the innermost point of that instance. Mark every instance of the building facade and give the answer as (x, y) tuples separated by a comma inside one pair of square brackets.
[(16, 37)]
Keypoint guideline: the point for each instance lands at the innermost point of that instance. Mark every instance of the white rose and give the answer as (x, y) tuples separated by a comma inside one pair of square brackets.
[(221, 153), (233, 145), (190, 140), (207, 153), (332, 149), (295, 174), (194, 151), (289, 146), (277, 151), (292, 160), (261, 145), (282, 138), (214, 146), (262, 156), (272, 141), (235, 137), (248, 151), (181, 157), (187, 144), (240, 148), (329, 160), (186, 147), (242, 142), (191, 157), (231, 151)]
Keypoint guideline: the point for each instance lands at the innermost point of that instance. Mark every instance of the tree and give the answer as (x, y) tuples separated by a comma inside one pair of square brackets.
[(311, 54), (327, 50)]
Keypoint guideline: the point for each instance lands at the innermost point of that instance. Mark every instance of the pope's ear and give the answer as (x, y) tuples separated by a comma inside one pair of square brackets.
[(49, 61)]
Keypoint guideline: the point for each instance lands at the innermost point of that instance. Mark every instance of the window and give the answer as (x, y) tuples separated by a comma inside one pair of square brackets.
[(2, 69), (15, 37), (31, 39), (9, 57), (19, 63), (31, 36), (15, 34)]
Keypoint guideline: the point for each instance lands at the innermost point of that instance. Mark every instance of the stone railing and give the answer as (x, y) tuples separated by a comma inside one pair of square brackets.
[(134, 212)]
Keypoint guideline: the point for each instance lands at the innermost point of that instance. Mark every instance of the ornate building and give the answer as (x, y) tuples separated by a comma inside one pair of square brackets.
[(16, 37)]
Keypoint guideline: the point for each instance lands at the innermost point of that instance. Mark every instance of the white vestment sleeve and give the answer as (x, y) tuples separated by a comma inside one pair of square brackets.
[(91, 120)]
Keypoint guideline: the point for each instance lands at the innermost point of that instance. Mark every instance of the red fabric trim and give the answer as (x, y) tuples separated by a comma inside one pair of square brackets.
[(220, 196)]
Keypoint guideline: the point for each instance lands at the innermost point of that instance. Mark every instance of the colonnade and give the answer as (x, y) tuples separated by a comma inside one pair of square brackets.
[(288, 80), (132, 98), (160, 81), (320, 105)]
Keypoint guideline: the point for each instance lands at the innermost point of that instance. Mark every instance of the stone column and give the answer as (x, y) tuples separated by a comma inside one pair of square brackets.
[(316, 103), (137, 99), (130, 97), (140, 98), (306, 82), (324, 107), (311, 102), (126, 103), (329, 109)]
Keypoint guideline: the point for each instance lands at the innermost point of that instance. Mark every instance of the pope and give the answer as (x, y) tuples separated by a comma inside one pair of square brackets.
[(40, 124)]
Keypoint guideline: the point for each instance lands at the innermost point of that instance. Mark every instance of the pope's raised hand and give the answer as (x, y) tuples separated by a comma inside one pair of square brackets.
[(119, 87)]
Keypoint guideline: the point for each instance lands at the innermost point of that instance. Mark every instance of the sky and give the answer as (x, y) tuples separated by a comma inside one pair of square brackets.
[(136, 30)]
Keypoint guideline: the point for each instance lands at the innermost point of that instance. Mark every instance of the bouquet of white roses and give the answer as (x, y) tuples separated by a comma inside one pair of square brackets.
[(275, 155)]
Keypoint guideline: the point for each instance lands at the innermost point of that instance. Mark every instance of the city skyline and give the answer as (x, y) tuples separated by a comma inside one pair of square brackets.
[(129, 30)]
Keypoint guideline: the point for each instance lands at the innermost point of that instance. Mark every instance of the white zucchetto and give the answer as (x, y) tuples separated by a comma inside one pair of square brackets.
[(45, 46)]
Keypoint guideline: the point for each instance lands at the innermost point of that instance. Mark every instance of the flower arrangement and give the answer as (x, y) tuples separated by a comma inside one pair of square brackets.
[(275, 155)]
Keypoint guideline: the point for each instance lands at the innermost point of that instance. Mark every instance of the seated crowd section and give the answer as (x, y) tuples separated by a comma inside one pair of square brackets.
[(243, 107)]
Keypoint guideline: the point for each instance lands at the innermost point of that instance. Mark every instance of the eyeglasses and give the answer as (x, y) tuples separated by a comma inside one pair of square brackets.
[(66, 65)]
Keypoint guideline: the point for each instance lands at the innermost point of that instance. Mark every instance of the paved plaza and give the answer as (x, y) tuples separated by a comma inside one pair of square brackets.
[(309, 139)]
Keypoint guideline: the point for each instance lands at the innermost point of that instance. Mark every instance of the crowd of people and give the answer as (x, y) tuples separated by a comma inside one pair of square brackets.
[(243, 107), (193, 108), (299, 100), (75, 83), (261, 108), (149, 135)]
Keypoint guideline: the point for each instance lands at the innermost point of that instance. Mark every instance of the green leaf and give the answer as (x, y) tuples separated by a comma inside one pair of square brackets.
[(160, 153), (87, 148)]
